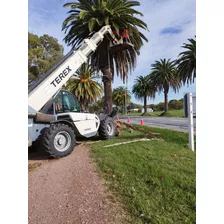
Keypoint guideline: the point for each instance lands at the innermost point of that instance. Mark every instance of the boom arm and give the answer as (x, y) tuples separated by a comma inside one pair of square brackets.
[(41, 91)]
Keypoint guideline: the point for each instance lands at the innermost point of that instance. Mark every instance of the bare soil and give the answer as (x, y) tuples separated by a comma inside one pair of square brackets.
[(70, 190)]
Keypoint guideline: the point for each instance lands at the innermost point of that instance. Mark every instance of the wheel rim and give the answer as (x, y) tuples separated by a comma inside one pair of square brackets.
[(62, 141), (109, 129)]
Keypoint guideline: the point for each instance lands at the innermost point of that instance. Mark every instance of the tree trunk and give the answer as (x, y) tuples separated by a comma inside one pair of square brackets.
[(105, 60), (166, 101), (82, 106), (107, 81), (145, 104), (124, 104)]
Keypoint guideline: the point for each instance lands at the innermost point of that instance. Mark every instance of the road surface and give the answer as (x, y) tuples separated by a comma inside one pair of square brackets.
[(172, 123)]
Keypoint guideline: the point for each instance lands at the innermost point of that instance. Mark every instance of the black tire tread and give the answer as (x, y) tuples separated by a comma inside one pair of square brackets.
[(47, 136), (103, 126)]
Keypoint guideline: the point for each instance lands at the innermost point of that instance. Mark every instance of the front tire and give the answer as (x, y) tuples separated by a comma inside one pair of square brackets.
[(107, 128), (58, 140)]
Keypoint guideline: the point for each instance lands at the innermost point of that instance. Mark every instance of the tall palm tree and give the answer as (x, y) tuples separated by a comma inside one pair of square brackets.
[(84, 86), (187, 62), (164, 75), (143, 88), (87, 17), (121, 96)]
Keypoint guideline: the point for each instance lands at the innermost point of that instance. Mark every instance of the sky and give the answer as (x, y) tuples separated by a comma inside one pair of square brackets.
[(170, 22)]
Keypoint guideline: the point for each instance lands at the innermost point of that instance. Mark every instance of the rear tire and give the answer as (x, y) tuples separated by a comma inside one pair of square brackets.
[(58, 140), (107, 128)]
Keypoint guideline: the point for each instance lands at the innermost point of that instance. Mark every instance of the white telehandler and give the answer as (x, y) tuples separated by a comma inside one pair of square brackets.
[(54, 117)]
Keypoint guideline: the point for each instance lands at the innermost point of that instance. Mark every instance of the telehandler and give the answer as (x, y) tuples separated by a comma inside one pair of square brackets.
[(54, 115)]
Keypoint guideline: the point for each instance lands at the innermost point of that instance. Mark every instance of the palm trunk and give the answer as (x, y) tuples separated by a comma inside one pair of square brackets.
[(145, 104), (82, 105), (124, 105), (107, 81), (104, 63), (166, 101)]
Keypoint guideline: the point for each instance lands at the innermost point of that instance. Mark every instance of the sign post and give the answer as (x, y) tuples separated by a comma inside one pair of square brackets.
[(190, 121)]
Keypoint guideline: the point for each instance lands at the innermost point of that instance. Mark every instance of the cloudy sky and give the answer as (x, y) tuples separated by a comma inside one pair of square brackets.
[(170, 24)]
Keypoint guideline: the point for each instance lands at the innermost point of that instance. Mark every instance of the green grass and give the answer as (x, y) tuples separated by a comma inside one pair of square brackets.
[(155, 180), (131, 114), (171, 113)]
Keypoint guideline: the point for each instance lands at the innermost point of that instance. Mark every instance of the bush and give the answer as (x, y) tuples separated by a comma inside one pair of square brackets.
[(161, 106), (175, 105)]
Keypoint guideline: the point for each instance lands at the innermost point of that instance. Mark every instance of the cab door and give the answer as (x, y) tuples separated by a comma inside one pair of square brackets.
[(67, 105)]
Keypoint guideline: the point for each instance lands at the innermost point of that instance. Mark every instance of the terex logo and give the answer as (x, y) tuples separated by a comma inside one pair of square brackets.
[(61, 76)]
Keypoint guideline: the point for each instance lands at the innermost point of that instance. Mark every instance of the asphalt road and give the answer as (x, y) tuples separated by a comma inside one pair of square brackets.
[(177, 124)]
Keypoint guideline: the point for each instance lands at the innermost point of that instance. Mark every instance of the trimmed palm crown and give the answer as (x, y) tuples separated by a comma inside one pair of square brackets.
[(87, 17)]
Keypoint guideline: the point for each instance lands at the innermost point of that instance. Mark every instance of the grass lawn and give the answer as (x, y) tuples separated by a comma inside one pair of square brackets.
[(155, 180), (171, 113)]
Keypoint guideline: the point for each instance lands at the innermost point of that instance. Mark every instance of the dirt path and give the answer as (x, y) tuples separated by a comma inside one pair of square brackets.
[(69, 190)]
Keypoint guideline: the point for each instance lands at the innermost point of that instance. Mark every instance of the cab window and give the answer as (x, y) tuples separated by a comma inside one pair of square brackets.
[(66, 102)]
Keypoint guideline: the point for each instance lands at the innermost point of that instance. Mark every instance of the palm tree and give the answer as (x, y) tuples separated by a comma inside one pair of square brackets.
[(87, 17), (143, 88), (84, 86), (121, 96), (164, 75), (187, 62)]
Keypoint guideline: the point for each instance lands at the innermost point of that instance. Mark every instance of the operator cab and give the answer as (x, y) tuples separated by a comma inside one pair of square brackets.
[(66, 102), (62, 102)]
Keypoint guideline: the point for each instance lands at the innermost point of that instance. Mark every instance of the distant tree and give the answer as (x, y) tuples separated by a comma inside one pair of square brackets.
[(143, 88), (134, 106), (85, 87), (43, 53), (161, 106), (152, 106), (176, 105), (164, 76), (96, 107), (187, 62), (121, 96), (182, 99), (130, 106)]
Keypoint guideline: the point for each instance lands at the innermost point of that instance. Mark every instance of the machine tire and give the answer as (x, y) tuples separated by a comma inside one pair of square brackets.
[(107, 128), (51, 137)]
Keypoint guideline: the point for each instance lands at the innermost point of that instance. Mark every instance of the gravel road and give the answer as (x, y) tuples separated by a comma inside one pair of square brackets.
[(69, 190)]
